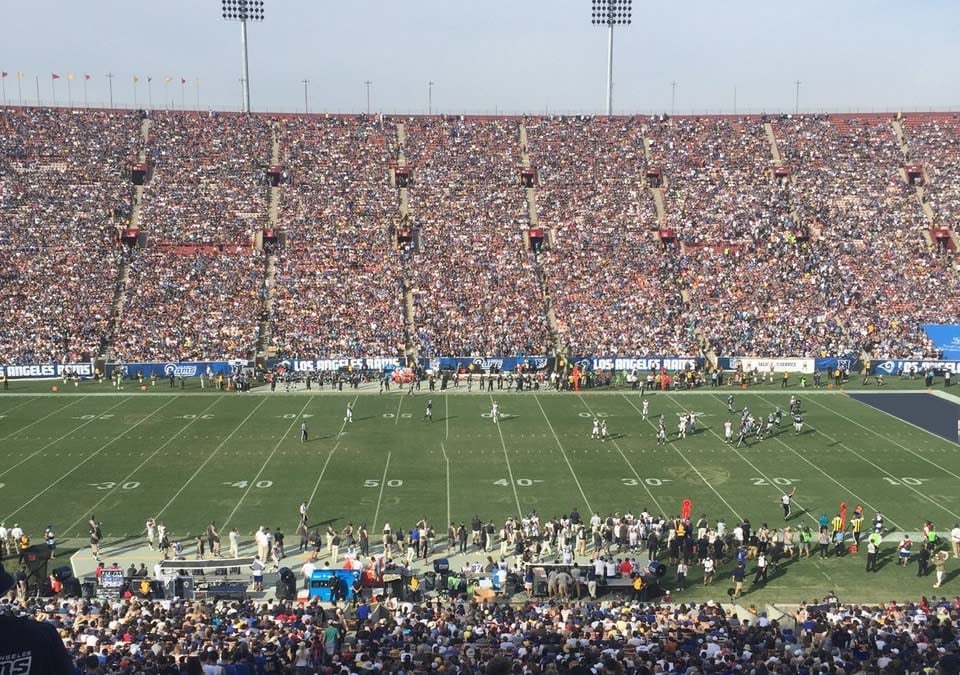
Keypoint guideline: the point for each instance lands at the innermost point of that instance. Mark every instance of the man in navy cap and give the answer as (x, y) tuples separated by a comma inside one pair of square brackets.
[(29, 647)]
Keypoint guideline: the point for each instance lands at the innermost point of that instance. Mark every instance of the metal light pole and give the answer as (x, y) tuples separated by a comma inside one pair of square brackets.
[(368, 83), (611, 13), (110, 81), (673, 96), (796, 100), (430, 97), (243, 11), (306, 103)]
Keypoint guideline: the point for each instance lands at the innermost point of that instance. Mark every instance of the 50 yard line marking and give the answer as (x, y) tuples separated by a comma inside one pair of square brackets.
[(383, 484), (141, 465), (91, 456), (316, 486), (629, 465), (264, 466), (396, 418), (506, 456), (447, 462), (210, 458)]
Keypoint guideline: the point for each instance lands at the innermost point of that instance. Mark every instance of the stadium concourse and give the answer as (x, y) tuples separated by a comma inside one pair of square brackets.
[(765, 236)]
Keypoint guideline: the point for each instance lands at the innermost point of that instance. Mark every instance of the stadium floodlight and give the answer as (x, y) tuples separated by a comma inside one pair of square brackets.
[(611, 13), (243, 11)]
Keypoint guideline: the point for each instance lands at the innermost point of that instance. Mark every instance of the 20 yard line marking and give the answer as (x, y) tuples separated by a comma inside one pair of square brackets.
[(20, 405), (564, 453), (265, 463), (629, 465), (209, 458), (506, 455), (316, 486), (141, 465), (383, 484), (447, 462), (90, 456), (689, 463)]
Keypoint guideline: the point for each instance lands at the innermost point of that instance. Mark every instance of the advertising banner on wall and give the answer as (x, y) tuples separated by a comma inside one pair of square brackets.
[(47, 371)]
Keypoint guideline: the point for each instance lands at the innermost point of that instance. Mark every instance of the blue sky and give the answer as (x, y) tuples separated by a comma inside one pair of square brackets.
[(496, 56)]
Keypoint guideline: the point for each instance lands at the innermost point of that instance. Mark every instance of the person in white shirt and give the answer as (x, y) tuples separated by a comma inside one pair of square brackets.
[(728, 431), (257, 567), (307, 570), (263, 544), (708, 569), (4, 533), (955, 540), (234, 543), (151, 531)]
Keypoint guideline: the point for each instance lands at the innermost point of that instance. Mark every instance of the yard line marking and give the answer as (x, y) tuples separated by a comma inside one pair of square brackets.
[(396, 418), (564, 453), (446, 415), (447, 461), (37, 421), (142, 464), (20, 405), (689, 463), (629, 465), (264, 465), (506, 455), (881, 469), (383, 484), (209, 458), (886, 438), (90, 456), (316, 486), (57, 440), (751, 464), (831, 478)]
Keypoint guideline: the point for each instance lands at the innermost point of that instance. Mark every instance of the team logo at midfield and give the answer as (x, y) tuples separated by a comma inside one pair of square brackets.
[(180, 369)]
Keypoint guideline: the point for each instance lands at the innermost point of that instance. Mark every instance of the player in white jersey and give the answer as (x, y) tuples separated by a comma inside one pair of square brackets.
[(604, 434), (728, 431), (596, 428), (682, 433), (645, 408), (661, 433), (151, 531), (349, 417), (495, 411)]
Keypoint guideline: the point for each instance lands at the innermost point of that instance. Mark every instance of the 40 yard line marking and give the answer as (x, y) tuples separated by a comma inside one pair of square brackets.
[(383, 484), (506, 456), (210, 458), (265, 463), (141, 465), (629, 465), (90, 456), (316, 486)]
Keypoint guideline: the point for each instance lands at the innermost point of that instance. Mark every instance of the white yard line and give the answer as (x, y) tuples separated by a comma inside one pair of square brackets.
[(55, 441), (209, 459), (49, 414), (383, 484), (884, 471), (396, 418), (256, 478), (316, 486), (564, 453), (689, 463), (827, 475), (141, 465), (20, 405), (447, 462), (506, 456), (446, 416), (629, 465), (89, 457)]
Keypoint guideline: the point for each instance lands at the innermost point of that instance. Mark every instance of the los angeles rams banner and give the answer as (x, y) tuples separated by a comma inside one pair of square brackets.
[(47, 371), (369, 363), (177, 369), (919, 366), (636, 363)]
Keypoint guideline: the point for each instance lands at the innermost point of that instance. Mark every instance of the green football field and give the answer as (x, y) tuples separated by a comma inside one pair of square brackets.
[(187, 458)]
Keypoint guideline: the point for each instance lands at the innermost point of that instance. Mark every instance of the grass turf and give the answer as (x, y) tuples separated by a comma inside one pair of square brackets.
[(238, 460)]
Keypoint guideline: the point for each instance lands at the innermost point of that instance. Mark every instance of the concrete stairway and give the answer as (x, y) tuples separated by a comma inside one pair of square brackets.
[(411, 343), (657, 192), (919, 190), (123, 272), (265, 328)]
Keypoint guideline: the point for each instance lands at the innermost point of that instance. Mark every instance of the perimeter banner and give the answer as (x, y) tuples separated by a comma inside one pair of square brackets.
[(47, 371)]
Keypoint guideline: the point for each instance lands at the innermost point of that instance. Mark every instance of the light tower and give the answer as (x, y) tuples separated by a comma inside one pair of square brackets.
[(243, 11), (611, 13)]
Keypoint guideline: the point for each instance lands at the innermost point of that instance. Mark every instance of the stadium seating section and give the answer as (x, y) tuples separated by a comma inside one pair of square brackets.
[(774, 235)]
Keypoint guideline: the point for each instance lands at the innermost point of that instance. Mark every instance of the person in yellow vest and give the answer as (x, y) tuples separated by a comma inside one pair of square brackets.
[(836, 525), (856, 525), (24, 545), (145, 588), (638, 588)]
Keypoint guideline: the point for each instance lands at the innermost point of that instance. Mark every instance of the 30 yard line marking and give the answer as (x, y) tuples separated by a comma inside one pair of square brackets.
[(827, 475), (890, 440), (209, 459), (141, 465), (689, 463), (383, 484), (446, 461), (506, 456), (90, 456), (57, 440), (629, 465), (564, 453), (265, 463), (880, 468), (49, 414), (316, 486)]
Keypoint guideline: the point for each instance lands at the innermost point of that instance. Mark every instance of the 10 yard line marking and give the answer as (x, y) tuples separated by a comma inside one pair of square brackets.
[(506, 455), (210, 458), (264, 466), (55, 441), (91, 456), (37, 421), (564, 453), (142, 464), (447, 462), (629, 465), (691, 465), (383, 484), (316, 486)]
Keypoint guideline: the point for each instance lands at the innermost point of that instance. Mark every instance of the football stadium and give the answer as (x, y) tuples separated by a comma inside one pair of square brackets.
[(338, 384)]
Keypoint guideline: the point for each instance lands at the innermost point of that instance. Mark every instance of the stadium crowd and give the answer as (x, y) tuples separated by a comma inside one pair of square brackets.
[(934, 142)]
